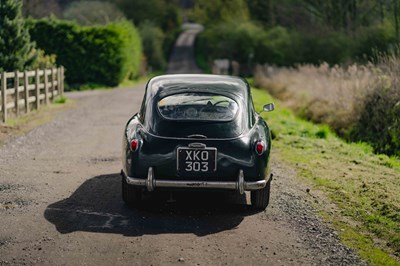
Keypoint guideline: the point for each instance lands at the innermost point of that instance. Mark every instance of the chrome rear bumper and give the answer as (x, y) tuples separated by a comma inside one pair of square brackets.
[(151, 183)]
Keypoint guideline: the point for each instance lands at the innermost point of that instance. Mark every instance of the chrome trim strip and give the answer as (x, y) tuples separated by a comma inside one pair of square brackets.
[(197, 145), (247, 186)]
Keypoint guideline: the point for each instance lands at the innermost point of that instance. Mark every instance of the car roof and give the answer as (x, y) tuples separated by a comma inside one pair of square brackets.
[(177, 83)]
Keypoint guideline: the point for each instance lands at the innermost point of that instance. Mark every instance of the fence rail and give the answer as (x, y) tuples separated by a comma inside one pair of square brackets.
[(29, 90)]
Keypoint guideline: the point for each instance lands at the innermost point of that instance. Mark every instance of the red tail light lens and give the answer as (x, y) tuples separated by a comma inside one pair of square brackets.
[(260, 147), (134, 144)]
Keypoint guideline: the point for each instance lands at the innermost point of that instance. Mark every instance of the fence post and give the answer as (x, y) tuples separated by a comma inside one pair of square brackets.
[(26, 89), (4, 96), (58, 81), (53, 76), (46, 89), (37, 90), (16, 86), (62, 81)]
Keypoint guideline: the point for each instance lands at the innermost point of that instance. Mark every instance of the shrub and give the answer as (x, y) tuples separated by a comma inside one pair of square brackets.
[(276, 47), (43, 60), (152, 41), (379, 123), (99, 54), (237, 41), (330, 47), (370, 40)]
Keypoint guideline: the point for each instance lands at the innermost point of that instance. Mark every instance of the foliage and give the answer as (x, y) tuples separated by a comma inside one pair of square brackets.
[(379, 123), (15, 43), (262, 11), (361, 103), (60, 100), (163, 13), (379, 38), (152, 42), (93, 12), (289, 32), (210, 12), (100, 54), (42, 60), (248, 42), (41, 8)]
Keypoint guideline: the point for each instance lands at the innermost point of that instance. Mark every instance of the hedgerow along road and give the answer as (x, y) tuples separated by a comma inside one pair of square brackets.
[(60, 200)]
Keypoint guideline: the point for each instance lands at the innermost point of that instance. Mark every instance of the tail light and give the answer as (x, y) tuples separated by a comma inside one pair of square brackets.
[(260, 147), (134, 144)]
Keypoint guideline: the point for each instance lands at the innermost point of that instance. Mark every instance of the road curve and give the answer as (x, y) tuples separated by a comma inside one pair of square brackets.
[(60, 204)]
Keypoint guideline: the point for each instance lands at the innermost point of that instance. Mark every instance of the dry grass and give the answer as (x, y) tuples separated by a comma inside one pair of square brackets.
[(332, 95)]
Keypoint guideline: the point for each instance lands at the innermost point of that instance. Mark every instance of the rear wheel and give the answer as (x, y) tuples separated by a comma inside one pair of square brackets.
[(130, 194), (260, 198)]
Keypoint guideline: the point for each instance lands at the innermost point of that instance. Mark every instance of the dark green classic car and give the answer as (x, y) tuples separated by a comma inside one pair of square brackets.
[(197, 132)]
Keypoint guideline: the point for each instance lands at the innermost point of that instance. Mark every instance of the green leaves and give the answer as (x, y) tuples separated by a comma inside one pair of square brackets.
[(15, 44), (97, 54)]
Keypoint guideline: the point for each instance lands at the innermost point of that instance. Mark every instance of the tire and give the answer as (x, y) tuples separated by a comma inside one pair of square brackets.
[(260, 198), (131, 195)]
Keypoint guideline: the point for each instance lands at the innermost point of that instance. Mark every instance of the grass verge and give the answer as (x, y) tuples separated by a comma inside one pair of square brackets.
[(16, 126), (363, 188)]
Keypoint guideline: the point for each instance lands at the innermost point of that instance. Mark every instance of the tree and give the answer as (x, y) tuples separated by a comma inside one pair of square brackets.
[(93, 12), (211, 12), (41, 8), (15, 43), (163, 13), (262, 11)]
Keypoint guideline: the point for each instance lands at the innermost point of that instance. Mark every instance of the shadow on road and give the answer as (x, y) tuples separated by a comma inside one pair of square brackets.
[(96, 206)]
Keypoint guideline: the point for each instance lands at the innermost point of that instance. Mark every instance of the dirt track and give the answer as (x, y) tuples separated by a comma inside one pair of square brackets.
[(60, 204)]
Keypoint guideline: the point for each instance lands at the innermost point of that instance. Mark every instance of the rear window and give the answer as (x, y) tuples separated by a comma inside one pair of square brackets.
[(198, 106)]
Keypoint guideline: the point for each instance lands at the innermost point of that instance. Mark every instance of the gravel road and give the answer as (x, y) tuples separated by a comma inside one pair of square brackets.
[(60, 204)]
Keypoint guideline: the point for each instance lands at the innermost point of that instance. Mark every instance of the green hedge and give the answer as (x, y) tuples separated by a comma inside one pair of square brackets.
[(244, 41), (97, 54)]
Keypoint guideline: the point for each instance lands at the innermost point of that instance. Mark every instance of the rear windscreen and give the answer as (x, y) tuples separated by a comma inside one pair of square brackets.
[(198, 107)]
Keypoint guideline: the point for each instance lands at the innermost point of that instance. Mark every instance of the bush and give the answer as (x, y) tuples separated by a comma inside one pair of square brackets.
[(379, 123), (42, 60), (152, 40), (373, 39), (232, 40), (275, 46), (99, 54), (330, 47)]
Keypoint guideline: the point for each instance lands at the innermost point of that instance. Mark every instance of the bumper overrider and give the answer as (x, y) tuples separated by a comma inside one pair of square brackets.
[(151, 183)]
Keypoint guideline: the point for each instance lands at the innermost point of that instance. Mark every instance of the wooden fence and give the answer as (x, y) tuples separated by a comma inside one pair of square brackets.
[(24, 91)]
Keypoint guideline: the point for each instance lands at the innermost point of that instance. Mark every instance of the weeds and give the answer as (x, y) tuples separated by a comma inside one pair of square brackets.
[(60, 100)]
